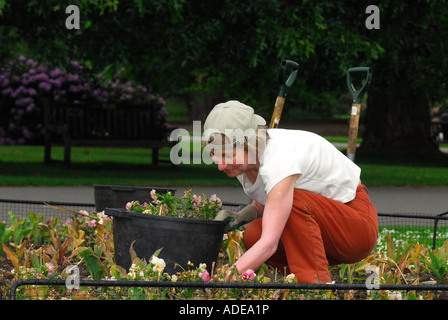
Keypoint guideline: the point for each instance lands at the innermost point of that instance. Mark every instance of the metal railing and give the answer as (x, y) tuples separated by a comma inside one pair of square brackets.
[(225, 285), (410, 221)]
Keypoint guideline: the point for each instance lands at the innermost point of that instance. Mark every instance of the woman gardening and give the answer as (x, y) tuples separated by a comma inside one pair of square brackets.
[(309, 209)]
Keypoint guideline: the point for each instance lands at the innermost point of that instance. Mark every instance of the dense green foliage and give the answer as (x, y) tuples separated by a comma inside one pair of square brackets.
[(234, 48)]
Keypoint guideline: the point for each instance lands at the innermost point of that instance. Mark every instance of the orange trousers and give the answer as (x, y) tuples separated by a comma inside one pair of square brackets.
[(321, 232)]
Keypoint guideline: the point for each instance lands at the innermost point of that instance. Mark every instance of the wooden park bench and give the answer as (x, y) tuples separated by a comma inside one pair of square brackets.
[(91, 125)]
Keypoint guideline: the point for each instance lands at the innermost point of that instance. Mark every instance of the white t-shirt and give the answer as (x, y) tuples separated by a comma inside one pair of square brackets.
[(322, 167)]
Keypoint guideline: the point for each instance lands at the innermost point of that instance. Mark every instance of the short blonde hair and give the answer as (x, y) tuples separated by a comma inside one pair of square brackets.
[(254, 145)]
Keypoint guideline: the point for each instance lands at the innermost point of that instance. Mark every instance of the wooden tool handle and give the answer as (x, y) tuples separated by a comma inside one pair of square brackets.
[(353, 131), (276, 114)]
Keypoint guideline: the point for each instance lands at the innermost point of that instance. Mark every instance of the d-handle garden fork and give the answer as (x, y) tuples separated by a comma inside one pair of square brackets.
[(356, 107), (285, 84)]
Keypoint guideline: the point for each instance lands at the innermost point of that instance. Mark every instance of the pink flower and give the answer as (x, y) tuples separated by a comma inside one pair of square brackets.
[(205, 275), (91, 223), (196, 200), (55, 72), (50, 267), (153, 194), (249, 274), (129, 206), (214, 198), (45, 86)]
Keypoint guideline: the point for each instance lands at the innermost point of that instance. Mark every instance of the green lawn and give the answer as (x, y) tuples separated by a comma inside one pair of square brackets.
[(411, 234), (24, 166)]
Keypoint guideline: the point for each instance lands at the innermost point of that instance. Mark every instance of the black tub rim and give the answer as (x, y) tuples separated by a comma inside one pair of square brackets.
[(120, 187)]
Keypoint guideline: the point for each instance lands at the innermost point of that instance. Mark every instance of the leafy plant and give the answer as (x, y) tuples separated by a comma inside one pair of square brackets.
[(348, 271), (20, 229), (232, 246), (92, 259), (190, 206), (438, 262)]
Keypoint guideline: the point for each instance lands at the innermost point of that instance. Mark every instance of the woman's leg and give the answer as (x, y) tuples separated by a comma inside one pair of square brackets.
[(319, 232)]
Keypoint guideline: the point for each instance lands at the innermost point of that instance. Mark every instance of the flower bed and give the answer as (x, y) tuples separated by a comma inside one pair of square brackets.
[(32, 248)]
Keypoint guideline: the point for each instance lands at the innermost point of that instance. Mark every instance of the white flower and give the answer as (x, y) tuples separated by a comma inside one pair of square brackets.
[(173, 278), (202, 266), (394, 295), (101, 216), (290, 278), (131, 272), (159, 264), (214, 198)]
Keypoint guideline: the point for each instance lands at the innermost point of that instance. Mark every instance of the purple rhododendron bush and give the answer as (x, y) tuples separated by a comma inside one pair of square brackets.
[(24, 83)]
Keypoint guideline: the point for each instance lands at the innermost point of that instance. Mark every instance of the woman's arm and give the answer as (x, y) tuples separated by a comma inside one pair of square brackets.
[(275, 215)]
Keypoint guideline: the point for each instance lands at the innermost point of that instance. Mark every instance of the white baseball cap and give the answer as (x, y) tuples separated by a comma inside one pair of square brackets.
[(230, 117)]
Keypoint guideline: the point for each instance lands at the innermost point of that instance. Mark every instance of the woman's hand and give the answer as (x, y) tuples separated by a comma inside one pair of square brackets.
[(232, 275)]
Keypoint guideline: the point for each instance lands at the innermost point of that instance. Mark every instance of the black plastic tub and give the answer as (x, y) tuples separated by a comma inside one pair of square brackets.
[(116, 196), (181, 239)]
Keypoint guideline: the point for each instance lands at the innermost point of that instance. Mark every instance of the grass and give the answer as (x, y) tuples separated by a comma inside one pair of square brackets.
[(23, 165), (176, 109), (411, 234)]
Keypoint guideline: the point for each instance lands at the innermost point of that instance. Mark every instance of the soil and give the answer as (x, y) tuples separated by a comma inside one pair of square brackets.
[(5, 273)]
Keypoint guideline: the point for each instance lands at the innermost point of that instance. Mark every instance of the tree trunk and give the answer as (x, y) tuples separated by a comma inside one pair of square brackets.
[(202, 101), (397, 124)]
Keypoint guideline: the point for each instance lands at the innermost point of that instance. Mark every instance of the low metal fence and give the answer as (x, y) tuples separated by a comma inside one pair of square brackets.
[(21, 208), (428, 229), (227, 285)]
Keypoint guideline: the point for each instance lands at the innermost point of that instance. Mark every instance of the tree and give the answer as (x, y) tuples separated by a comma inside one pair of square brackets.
[(233, 49), (410, 76)]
